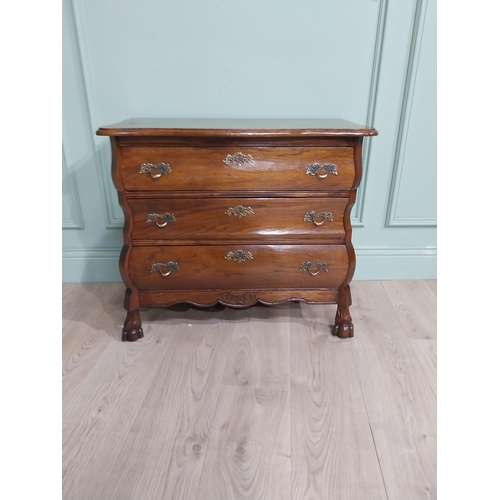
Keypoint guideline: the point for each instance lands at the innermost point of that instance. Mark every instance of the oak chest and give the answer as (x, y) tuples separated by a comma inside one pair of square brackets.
[(236, 212)]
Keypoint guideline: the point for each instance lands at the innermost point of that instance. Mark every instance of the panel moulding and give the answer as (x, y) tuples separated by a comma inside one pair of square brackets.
[(357, 214), (76, 219), (114, 214), (409, 88)]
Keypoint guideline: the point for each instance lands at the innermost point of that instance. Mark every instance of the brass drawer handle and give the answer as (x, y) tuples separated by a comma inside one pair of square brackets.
[(239, 211), (314, 168), (239, 256), (158, 266), (147, 168), (310, 266), (238, 159), (312, 216), (154, 218)]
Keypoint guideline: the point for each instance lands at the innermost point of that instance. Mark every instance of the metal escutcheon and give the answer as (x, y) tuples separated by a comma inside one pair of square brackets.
[(159, 266), (239, 211), (238, 256), (313, 268), (147, 168), (315, 168), (312, 216), (238, 159), (154, 218)]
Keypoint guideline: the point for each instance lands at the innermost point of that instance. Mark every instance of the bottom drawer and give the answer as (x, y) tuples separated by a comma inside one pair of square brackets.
[(237, 267)]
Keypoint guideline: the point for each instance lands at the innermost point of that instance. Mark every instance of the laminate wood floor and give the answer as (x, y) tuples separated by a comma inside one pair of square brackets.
[(261, 403)]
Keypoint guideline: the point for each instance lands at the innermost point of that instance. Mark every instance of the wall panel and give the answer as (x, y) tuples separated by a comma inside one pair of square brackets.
[(413, 200), (233, 58)]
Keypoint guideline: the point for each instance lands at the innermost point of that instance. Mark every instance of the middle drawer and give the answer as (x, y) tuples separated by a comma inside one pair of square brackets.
[(238, 219)]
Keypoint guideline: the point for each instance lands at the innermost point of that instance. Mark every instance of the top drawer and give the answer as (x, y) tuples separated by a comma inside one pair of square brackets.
[(236, 169)]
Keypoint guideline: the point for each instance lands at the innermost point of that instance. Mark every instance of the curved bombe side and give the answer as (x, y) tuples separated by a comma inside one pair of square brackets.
[(132, 328), (343, 326)]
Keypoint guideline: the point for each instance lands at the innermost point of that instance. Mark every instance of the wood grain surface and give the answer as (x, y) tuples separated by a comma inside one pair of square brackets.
[(400, 403), (249, 451), (328, 417), (78, 302), (164, 452), (433, 285), (271, 219), (234, 127), (260, 404), (426, 353), (273, 169), (91, 316), (259, 355), (290, 168), (417, 315), (101, 413), (206, 267), (238, 299)]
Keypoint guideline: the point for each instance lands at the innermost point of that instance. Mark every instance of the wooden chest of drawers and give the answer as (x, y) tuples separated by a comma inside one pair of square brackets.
[(236, 212)]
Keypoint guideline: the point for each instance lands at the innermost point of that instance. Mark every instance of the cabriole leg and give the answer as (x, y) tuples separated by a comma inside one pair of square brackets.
[(132, 328), (343, 326)]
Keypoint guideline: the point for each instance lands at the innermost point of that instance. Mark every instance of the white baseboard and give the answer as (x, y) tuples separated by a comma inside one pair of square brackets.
[(98, 265), (383, 263)]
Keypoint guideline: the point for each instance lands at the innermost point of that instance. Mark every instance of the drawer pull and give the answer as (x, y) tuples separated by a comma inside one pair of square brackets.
[(154, 218), (314, 168), (147, 168), (312, 216), (239, 211), (238, 159), (310, 266), (239, 256), (158, 266)]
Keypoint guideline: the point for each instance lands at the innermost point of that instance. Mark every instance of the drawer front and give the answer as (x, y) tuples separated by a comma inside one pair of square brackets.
[(237, 267), (237, 218), (258, 169)]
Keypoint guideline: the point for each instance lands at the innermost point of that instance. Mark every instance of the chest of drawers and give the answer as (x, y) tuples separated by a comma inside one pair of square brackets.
[(236, 212)]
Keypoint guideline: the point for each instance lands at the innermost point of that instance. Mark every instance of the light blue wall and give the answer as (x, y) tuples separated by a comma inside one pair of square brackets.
[(368, 61)]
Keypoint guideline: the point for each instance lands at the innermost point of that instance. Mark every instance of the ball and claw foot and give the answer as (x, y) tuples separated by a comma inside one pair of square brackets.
[(132, 329), (132, 335), (343, 330), (343, 327)]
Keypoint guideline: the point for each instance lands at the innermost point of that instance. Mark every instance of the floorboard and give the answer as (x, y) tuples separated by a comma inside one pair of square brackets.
[(249, 451), (415, 305), (259, 355), (261, 404), (333, 453), (400, 403)]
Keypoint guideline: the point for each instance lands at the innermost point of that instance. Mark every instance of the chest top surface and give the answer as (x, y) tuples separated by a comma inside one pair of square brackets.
[(229, 127)]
